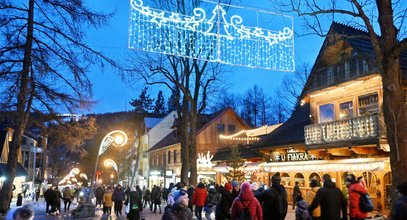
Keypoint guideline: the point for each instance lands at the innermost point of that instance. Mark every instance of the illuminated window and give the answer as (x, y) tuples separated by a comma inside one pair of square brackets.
[(326, 113), (368, 104), (346, 110)]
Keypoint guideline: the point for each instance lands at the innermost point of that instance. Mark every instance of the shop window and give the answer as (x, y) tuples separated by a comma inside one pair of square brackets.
[(221, 128), (370, 180), (285, 179), (326, 113), (300, 179), (231, 129), (169, 157), (314, 176), (175, 156), (368, 104), (346, 110)]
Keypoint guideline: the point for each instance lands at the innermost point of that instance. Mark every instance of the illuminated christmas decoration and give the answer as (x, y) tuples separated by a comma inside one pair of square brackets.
[(250, 134), (218, 37), (110, 163), (205, 160)]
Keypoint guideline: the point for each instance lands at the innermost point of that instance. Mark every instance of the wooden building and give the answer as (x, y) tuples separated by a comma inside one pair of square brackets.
[(165, 156), (339, 127)]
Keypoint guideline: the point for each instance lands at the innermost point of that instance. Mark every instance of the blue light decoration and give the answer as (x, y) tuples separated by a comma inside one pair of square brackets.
[(217, 37)]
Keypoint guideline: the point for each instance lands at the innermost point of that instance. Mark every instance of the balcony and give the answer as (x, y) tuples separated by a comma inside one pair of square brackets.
[(348, 130)]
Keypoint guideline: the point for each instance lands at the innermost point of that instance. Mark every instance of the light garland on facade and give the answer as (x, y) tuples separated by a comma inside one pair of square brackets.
[(248, 133), (215, 39)]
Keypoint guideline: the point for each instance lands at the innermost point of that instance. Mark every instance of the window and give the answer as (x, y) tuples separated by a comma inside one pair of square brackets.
[(346, 110), (175, 156), (231, 129), (368, 104), (169, 157), (326, 113), (221, 128)]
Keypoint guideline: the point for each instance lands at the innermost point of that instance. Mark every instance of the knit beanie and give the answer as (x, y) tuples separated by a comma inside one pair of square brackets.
[(234, 183), (228, 187), (276, 178)]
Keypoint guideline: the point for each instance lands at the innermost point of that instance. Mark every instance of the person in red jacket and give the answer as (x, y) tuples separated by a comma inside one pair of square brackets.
[(246, 199), (198, 199), (355, 189)]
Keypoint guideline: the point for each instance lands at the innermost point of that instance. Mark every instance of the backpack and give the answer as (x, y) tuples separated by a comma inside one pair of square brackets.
[(245, 213), (281, 201), (365, 203)]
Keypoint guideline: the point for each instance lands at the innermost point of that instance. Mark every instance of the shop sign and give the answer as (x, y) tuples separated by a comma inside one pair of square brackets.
[(293, 155), (168, 172)]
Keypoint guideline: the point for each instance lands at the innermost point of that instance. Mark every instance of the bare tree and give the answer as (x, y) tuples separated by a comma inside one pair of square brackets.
[(388, 41), (43, 64), (190, 81)]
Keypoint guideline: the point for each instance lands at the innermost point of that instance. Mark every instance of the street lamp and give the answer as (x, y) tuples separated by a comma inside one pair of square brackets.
[(110, 163), (116, 137)]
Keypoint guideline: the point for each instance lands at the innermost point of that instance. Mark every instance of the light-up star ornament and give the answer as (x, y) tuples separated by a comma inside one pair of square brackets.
[(217, 38)]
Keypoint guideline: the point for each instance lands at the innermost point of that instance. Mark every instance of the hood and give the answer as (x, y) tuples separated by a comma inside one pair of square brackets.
[(329, 184), (246, 193)]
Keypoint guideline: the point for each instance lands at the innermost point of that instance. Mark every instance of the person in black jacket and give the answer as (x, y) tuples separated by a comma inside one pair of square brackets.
[(296, 193), (49, 198), (274, 200), (399, 211), (331, 200), (226, 200), (135, 206)]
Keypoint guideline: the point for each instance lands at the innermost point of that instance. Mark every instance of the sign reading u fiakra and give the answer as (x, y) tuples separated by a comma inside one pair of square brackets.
[(217, 36)]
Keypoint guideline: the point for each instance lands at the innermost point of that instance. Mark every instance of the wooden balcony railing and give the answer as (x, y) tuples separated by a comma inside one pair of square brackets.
[(357, 128)]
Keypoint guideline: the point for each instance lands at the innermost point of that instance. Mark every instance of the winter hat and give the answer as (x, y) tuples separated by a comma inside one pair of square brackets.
[(212, 187), (178, 194), (245, 187), (228, 187), (254, 186), (234, 183), (276, 178)]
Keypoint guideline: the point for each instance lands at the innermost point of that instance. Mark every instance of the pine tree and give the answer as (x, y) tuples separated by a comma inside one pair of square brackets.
[(172, 101), (143, 104), (159, 106), (235, 163)]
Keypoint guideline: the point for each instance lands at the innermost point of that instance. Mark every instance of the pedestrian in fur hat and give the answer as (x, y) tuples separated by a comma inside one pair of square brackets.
[(179, 210)]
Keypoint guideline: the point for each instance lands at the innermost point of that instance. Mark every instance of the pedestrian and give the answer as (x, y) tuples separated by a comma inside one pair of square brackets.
[(301, 212), (25, 212), (198, 199), (57, 200), (156, 197), (134, 205), (67, 197), (316, 213), (37, 194), (211, 201), (140, 193), (19, 200), (108, 202), (274, 200), (296, 192), (99, 195), (399, 211), (147, 197), (222, 211), (355, 189), (118, 197), (245, 205), (49, 198), (179, 210), (190, 192), (235, 189), (331, 200)]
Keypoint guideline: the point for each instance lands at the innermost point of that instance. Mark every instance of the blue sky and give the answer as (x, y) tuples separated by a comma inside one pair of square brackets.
[(113, 95)]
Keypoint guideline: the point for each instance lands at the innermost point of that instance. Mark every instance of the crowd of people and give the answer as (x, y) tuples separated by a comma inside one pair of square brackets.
[(232, 200)]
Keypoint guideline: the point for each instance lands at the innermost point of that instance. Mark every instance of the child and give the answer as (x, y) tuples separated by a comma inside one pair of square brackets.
[(19, 200), (301, 212)]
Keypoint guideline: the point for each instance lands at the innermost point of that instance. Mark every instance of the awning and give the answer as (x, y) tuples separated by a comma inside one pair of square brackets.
[(20, 171), (359, 164)]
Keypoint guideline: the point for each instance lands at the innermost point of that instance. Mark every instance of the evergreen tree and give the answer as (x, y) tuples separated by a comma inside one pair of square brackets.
[(159, 106), (142, 104), (236, 164), (172, 101)]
